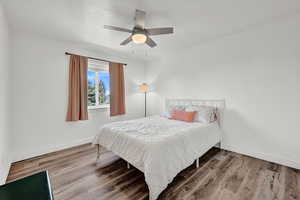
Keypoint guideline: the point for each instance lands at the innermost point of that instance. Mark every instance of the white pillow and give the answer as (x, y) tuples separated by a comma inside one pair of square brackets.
[(205, 114)]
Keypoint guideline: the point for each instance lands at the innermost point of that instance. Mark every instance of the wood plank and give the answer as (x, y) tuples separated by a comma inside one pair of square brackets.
[(207, 187), (185, 175), (270, 184), (231, 183), (250, 185), (222, 175), (292, 191)]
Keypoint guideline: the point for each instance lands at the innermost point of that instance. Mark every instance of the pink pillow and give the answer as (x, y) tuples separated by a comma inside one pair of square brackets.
[(183, 115)]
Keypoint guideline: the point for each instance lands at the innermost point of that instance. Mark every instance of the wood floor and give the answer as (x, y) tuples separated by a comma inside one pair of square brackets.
[(221, 175)]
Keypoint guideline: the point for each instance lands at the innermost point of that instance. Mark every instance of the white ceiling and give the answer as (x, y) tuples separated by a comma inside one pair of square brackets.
[(195, 21)]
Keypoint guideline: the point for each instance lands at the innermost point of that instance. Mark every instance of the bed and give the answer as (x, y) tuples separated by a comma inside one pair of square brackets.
[(160, 147)]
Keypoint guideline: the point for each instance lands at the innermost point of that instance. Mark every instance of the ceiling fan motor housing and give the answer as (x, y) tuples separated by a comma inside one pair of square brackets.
[(139, 31)]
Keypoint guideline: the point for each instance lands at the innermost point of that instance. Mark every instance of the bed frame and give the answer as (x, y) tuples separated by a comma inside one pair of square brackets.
[(218, 104)]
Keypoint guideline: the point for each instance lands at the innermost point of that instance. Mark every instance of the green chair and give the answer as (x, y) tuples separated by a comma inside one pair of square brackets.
[(35, 187)]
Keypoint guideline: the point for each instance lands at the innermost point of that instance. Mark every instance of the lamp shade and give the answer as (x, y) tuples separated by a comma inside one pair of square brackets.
[(144, 87)]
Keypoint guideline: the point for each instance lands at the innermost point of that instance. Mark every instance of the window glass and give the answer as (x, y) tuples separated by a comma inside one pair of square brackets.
[(104, 89), (91, 88)]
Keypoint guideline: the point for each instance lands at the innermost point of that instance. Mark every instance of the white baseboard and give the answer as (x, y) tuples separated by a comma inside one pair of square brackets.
[(264, 156), (26, 155), (5, 163)]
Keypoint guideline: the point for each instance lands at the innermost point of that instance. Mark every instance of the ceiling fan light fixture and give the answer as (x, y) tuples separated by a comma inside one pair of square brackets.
[(139, 38)]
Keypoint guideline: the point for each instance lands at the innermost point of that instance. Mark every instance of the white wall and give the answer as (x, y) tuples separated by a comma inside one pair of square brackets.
[(4, 97), (257, 71), (40, 76)]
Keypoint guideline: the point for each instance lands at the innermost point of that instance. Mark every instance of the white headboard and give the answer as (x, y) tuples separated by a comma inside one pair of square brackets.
[(217, 103)]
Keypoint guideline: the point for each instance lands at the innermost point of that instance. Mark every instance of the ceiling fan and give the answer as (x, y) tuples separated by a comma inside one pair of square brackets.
[(140, 34)]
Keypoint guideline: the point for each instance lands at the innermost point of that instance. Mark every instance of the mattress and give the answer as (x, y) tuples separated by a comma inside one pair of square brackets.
[(158, 146)]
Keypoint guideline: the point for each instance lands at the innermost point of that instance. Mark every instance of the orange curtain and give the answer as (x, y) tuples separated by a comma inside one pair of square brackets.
[(117, 90), (77, 104)]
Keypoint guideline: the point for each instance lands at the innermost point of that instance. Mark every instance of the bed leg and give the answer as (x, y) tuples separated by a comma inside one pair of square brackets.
[(197, 163), (98, 152), (128, 165)]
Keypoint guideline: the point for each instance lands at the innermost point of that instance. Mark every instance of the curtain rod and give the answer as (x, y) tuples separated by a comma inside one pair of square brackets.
[(69, 54)]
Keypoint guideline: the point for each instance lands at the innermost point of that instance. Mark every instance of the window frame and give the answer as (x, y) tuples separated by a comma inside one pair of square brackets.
[(97, 69)]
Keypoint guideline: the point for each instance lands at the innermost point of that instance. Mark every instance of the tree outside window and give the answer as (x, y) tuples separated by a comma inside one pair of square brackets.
[(98, 88)]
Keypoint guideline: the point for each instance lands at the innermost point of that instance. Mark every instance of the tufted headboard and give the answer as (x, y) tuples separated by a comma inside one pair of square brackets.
[(217, 103)]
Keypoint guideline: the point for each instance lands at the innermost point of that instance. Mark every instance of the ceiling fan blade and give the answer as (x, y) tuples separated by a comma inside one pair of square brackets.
[(160, 31), (129, 39), (115, 28), (150, 42), (140, 19)]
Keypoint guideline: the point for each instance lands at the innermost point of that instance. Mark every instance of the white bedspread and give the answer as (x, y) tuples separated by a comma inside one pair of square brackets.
[(159, 147)]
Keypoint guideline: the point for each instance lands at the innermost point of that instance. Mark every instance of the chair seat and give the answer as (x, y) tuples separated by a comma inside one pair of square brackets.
[(34, 187)]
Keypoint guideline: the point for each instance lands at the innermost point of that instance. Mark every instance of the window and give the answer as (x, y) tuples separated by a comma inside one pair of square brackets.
[(98, 85)]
